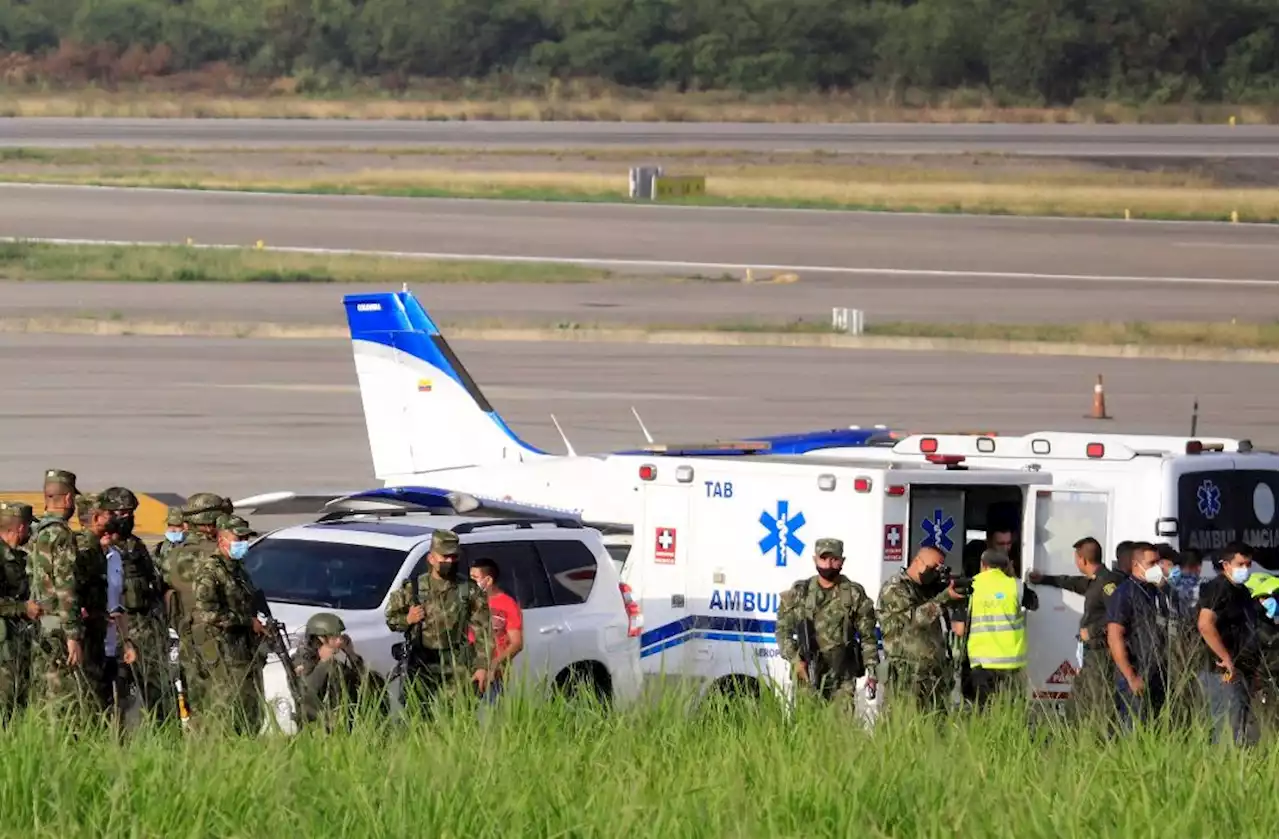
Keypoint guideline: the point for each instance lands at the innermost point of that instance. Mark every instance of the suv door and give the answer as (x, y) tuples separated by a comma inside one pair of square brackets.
[(571, 572), (521, 575)]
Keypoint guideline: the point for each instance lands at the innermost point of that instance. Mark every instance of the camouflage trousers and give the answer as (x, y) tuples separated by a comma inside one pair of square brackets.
[(1093, 692), (927, 684), (15, 676), (58, 688), (223, 679), (146, 686), (427, 689)]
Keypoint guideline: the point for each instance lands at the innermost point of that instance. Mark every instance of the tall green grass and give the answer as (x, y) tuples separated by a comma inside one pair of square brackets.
[(572, 769)]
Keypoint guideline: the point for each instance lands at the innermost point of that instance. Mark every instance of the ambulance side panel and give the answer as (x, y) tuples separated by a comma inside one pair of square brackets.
[(1214, 499)]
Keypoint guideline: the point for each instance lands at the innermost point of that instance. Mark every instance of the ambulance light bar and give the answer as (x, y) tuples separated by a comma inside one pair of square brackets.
[(945, 459)]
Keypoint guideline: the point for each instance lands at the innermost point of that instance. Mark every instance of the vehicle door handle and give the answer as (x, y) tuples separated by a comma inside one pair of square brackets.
[(547, 630)]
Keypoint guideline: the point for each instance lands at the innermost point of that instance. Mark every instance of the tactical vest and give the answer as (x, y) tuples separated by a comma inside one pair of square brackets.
[(997, 627), (180, 569), (430, 646), (840, 652)]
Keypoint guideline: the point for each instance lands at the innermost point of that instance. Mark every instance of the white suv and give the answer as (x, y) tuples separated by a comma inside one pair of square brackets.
[(581, 626)]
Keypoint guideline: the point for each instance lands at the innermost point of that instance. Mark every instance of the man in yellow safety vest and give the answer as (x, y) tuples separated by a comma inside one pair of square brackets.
[(995, 628)]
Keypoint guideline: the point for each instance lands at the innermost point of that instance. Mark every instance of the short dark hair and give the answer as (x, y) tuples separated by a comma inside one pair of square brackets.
[(1234, 548), (1190, 557), (1167, 553), (1124, 551), (488, 567), (1089, 549), (1140, 547)]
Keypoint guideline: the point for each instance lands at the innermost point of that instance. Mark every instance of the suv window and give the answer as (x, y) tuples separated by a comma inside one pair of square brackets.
[(571, 568), (334, 576), (521, 573)]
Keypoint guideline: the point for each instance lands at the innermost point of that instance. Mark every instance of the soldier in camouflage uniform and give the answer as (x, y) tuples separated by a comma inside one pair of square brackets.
[(435, 619), (225, 629), (843, 621), (915, 644), (334, 676), (17, 611), (200, 516), (174, 533), (67, 646), (142, 625)]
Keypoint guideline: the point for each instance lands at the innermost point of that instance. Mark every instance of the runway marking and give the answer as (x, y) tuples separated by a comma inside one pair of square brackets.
[(667, 263), (514, 393)]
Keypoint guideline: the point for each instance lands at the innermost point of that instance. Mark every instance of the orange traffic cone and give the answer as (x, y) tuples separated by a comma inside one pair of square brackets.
[(1099, 402)]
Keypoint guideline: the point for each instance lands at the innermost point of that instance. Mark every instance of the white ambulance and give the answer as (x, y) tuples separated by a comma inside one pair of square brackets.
[(1192, 493), (718, 539)]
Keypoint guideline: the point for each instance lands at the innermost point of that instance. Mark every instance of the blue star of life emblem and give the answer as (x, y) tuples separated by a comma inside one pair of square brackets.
[(782, 527), (936, 530), (1209, 499)]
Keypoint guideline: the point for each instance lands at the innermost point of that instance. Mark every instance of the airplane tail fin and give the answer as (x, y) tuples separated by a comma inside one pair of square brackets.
[(423, 411)]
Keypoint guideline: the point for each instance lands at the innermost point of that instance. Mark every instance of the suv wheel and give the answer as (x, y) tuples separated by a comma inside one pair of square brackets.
[(586, 678)]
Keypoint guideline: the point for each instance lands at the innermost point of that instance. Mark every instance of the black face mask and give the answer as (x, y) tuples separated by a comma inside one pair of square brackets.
[(930, 576), (112, 527), (829, 574), (447, 570), (123, 525)]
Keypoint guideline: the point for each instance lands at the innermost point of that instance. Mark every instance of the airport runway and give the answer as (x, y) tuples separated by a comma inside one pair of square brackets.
[(247, 416), (947, 251), (1201, 141)]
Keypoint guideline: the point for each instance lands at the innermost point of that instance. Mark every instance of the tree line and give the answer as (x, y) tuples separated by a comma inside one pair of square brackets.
[(1029, 51)]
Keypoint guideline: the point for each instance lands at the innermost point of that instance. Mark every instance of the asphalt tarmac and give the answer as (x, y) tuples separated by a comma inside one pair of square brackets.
[(247, 416), (937, 259), (1203, 141)]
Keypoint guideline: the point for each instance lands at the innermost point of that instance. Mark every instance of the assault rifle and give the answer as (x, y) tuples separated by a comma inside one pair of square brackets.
[(278, 642)]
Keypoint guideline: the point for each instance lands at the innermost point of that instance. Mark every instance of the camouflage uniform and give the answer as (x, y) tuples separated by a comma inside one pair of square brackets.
[(144, 628), (843, 616), (914, 641), (178, 572), (165, 546), (16, 630), (63, 583), (223, 634), (439, 657), (333, 687)]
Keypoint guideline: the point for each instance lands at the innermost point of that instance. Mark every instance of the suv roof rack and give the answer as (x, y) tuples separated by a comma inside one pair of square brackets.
[(521, 523)]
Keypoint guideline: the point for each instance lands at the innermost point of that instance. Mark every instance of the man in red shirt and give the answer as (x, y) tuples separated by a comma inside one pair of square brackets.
[(508, 623)]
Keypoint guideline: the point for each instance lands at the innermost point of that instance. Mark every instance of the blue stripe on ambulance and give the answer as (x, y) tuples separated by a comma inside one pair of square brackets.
[(707, 627)]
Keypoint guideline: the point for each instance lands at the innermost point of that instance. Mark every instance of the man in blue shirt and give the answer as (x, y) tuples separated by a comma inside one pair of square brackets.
[(1140, 623)]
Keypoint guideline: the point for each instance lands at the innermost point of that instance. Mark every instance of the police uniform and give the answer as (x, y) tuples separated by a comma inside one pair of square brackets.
[(16, 628), (438, 655), (1147, 615), (841, 618), (1092, 689)]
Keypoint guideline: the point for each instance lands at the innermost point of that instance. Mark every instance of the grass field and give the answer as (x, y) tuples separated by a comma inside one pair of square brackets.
[(573, 770), (205, 96), (164, 264), (883, 188)]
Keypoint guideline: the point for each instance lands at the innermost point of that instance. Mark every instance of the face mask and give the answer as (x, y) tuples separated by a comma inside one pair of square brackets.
[(1175, 574), (1154, 575), (446, 569), (1240, 575), (829, 574), (124, 526), (174, 536), (929, 576), (237, 550)]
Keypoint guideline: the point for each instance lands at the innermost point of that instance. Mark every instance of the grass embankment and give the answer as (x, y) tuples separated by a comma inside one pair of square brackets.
[(180, 264), (572, 770), (182, 96), (982, 184)]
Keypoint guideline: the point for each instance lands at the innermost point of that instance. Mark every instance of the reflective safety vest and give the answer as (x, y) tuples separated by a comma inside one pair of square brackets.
[(1260, 585), (997, 630)]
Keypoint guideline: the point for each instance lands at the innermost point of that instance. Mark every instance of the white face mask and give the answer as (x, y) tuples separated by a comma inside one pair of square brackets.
[(1154, 575)]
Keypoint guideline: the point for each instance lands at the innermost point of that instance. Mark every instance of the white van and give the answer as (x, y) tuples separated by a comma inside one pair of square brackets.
[(718, 540)]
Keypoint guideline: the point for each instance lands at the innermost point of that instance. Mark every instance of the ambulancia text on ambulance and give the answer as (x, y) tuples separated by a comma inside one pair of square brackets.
[(718, 539)]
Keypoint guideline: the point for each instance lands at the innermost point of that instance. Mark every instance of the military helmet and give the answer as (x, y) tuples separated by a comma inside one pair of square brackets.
[(325, 623), (203, 508), (117, 499)]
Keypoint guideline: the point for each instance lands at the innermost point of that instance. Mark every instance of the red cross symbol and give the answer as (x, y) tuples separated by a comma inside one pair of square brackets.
[(664, 549)]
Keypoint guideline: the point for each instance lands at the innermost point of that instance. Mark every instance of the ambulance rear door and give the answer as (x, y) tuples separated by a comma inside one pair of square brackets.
[(1055, 519), (657, 569)]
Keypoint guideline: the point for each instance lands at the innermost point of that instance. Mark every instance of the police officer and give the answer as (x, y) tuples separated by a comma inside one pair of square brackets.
[(435, 611), (1092, 691), (63, 654), (912, 607), (1140, 624), (140, 620), (225, 630), (995, 629), (334, 676), (17, 610), (827, 629)]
